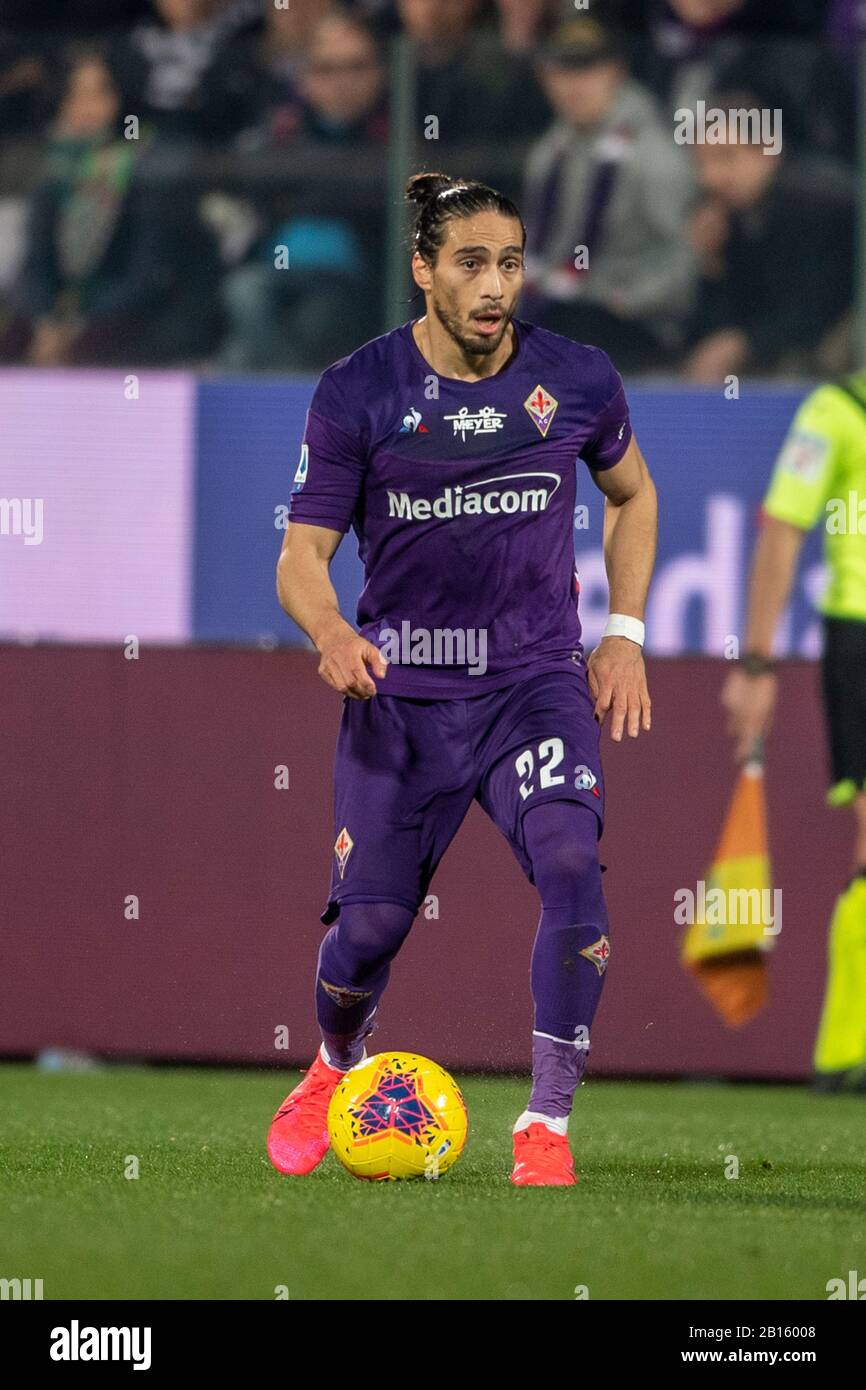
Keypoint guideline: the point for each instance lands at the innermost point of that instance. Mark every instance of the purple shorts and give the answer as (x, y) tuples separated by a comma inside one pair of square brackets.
[(407, 771)]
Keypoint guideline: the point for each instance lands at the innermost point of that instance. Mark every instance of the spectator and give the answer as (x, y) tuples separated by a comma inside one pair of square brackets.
[(259, 73), (524, 23), (24, 84), (33, 41), (439, 28), (768, 17), (522, 108), (606, 202), (464, 80), (304, 314), (102, 250), (170, 60), (342, 86), (775, 239), (691, 47)]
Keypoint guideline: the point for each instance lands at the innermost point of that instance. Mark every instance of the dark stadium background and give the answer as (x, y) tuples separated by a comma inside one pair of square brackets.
[(153, 396)]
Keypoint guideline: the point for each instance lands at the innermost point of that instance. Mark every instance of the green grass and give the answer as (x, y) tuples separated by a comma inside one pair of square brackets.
[(652, 1217)]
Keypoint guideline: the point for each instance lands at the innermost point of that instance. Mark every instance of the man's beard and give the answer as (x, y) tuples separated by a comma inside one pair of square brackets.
[(473, 347)]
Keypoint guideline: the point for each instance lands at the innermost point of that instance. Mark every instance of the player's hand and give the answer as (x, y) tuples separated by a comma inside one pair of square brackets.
[(344, 662), (749, 701), (617, 683)]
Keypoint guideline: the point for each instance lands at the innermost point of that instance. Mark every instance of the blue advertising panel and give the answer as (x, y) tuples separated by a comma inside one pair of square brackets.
[(249, 442), (710, 458)]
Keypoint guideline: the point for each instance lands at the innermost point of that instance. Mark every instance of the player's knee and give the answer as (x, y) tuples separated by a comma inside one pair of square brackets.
[(561, 841), (568, 877), (366, 938)]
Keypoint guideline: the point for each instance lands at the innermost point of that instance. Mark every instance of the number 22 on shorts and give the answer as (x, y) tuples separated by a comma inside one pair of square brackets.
[(551, 752)]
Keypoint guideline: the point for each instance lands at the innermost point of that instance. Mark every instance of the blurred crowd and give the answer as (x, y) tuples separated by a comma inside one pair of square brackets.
[(203, 182)]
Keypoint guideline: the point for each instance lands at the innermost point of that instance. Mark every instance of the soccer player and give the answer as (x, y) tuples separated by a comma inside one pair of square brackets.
[(821, 474), (450, 446)]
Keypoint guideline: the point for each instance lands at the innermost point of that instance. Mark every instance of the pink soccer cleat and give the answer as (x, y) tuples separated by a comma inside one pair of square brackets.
[(542, 1158), (298, 1137)]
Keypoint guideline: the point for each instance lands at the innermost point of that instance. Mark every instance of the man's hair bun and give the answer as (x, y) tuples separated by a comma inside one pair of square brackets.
[(423, 188)]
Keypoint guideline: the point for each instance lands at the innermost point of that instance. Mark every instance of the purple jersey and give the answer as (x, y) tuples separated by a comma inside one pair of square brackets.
[(462, 497)]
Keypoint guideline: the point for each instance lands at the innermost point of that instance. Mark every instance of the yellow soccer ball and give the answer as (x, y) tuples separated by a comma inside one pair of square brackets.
[(397, 1115)]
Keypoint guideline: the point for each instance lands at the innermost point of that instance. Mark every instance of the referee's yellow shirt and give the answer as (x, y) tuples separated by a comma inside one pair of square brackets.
[(820, 475)]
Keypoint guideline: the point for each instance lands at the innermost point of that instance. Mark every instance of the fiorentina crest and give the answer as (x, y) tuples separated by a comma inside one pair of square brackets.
[(542, 407), (343, 848), (345, 998), (598, 953)]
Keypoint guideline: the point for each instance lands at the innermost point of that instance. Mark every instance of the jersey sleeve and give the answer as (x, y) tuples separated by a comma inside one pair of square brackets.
[(803, 473), (330, 473), (611, 430)]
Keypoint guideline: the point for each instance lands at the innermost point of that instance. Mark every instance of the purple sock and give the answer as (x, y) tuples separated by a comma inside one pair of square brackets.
[(557, 1069), (354, 965), (571, 950)]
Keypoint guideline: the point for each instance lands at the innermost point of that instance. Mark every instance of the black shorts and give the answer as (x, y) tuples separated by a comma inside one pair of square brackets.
[(843, 672)]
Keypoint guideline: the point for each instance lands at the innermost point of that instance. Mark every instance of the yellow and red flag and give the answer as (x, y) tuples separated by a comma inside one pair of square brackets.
[(728, 955)]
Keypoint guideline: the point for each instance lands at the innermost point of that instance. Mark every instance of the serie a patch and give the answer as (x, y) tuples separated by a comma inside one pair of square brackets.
[(804, 455)]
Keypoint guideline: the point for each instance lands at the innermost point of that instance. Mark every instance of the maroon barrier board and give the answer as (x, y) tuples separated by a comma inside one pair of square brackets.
[(155, 778)]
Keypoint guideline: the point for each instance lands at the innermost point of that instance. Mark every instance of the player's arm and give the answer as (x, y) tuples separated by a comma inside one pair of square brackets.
[(801, 481), (327, 486), (617, 678), (749, 693), (306, 593), (774, 565)]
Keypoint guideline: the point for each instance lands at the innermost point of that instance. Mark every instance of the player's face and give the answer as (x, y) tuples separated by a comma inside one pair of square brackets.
[(474, 286)]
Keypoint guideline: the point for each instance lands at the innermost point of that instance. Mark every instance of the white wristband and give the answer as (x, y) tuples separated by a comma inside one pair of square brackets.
[(621, 625)]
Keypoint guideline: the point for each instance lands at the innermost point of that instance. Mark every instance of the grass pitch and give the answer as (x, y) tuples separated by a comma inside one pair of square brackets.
[(654, 1215)]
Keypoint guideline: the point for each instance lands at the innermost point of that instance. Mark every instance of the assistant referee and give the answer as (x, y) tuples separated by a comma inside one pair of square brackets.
[(820, 477)]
